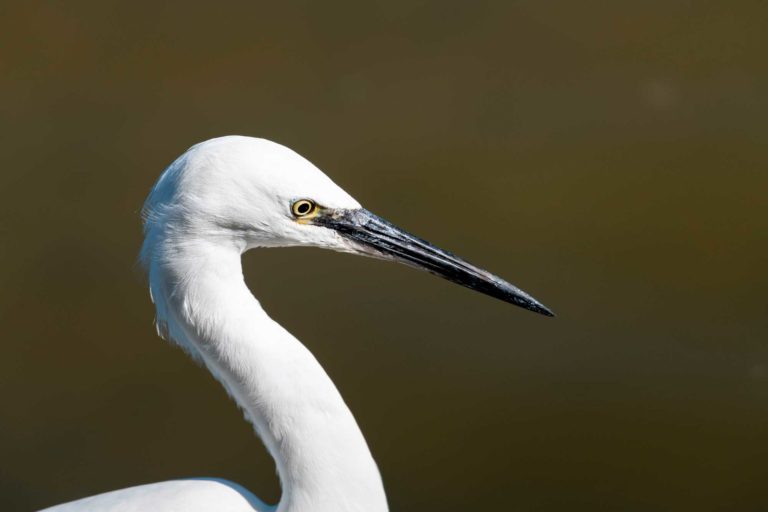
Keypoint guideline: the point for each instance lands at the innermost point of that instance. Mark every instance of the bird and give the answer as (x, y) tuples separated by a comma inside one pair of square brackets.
[(216, 201)]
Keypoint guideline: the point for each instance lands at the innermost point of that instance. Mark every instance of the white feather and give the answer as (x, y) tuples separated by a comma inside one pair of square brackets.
[(219, 199)]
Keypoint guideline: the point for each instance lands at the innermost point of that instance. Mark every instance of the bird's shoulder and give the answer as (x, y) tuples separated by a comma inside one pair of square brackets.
[(188, 495)]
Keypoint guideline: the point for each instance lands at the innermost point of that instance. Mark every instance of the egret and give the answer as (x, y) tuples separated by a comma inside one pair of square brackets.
[(216, 201)]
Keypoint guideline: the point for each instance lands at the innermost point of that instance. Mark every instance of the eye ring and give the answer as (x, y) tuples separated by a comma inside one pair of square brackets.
[(303, 208)]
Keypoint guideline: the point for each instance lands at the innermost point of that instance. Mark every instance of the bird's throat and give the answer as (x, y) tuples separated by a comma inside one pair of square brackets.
[(322, 459)]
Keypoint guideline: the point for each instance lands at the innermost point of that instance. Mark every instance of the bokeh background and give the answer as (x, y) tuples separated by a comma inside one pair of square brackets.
[(608, 157)]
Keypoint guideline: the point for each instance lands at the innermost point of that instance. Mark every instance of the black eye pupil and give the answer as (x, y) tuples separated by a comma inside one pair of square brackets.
[(303, 208)]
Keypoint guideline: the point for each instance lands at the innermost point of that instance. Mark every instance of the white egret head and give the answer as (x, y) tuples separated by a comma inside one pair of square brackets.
[(256, 193)]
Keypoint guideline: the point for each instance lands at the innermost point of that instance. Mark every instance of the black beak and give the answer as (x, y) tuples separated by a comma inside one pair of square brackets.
[(377, 237)]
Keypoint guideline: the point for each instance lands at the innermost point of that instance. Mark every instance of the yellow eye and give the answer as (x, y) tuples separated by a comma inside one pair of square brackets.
[(303, 207)]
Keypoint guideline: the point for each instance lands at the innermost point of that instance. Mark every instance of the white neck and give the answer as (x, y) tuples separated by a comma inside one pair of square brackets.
[(203, 304)]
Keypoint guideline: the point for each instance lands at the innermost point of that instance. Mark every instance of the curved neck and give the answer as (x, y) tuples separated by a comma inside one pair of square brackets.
[(203, 304)]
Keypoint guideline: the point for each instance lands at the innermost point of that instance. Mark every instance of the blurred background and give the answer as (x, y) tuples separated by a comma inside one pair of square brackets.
[(608, 157)]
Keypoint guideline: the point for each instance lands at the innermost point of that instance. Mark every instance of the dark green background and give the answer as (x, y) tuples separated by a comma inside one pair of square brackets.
[(608, 157)]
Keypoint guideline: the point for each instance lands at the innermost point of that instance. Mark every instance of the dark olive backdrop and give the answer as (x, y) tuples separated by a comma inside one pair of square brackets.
[(608, 157)]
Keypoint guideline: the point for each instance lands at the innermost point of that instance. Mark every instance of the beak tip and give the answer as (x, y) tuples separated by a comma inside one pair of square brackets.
[(520, 298), (539, 308)]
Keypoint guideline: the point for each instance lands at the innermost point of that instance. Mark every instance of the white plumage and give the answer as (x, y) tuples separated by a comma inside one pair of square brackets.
[(219, 199)]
